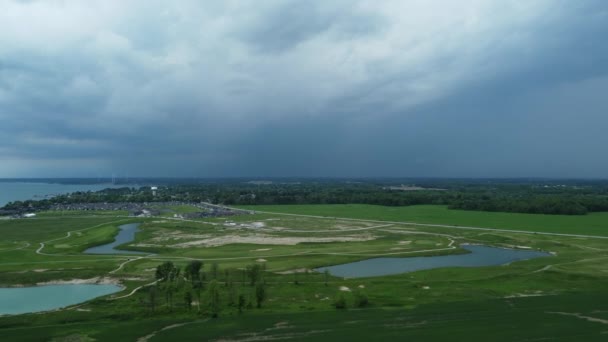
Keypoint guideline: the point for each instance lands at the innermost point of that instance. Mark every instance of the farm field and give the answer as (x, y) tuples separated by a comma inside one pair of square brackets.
[(559, 297)]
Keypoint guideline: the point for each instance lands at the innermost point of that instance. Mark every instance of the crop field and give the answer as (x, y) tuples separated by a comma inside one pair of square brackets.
[(559, 297)]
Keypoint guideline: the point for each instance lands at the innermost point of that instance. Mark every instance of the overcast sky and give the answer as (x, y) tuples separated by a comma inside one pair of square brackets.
[(468, 88)]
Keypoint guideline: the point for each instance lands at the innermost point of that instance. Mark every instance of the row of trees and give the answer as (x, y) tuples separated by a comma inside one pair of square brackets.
[(214, 294), (194, 287), (526, 197)]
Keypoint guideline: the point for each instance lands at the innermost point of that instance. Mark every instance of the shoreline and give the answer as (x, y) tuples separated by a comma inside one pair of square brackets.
[(75, 281)]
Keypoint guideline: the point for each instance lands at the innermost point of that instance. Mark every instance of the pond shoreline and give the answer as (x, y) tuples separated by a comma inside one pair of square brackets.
[(477, 255)]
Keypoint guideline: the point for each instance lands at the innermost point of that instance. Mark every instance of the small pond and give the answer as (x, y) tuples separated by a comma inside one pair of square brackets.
[(126, 235), (479, 256), (19, 300)]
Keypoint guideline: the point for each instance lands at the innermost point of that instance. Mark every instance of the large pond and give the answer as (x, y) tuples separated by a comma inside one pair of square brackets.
[(125, 235), (20, 300), (479, 256)]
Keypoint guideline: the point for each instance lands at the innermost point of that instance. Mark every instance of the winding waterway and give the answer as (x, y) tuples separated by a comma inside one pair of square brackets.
[(125, 235), (478, 256)]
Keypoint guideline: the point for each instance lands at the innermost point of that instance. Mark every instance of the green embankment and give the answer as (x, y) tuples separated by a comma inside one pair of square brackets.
[(591, 224), (521, 319)]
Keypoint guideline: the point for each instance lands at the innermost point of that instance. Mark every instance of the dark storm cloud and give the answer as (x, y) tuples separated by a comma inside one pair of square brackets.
[(292, 22), (315, 88)]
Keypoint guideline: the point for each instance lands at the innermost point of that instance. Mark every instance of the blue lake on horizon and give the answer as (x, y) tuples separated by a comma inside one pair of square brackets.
[(479, 256), (21, 191)]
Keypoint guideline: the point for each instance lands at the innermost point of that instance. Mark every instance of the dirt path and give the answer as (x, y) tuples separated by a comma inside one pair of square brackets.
[(68, 235), (134, 290), (578, 315), (124, 263), (173, 326), (546, 268), (25, 245)]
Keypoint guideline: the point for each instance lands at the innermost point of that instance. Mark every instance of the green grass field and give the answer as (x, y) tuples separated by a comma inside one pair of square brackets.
[(591, 224), (563, 297)]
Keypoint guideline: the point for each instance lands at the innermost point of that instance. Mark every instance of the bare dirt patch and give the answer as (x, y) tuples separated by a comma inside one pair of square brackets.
[(94, 280), (261, 239), (297, 270)]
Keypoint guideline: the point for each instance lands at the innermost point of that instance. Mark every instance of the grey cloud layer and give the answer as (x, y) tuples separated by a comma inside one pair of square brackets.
[(280, 88)]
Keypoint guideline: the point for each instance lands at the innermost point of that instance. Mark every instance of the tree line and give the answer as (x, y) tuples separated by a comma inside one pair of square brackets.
[(522, 197)]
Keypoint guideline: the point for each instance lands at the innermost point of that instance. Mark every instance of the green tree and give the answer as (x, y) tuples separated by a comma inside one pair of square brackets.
[(193, 271), (361, 299), (214, 298), (241, 303), (188, 300), (166, 275), (194, 274), (254, 271), (215, 270), (340, 302), (152, 297), (260, 294)]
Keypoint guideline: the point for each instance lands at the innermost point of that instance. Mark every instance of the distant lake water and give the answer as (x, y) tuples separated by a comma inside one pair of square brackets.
[(21, 191), (479, 256), (19, 300)]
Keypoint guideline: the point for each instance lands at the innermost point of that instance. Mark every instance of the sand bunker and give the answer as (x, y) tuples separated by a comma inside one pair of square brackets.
[(266, 240)]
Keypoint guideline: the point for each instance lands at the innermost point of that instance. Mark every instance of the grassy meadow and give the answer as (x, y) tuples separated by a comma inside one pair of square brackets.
[(561, 297), (590, 224)]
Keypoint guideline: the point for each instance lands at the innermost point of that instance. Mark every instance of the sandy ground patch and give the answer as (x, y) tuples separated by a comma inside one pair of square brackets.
[(164, 236), (261, 239), (94, 280), (261, 260), (297, 270), (261, 250), (344, 288), (515, 246), (254, 225)]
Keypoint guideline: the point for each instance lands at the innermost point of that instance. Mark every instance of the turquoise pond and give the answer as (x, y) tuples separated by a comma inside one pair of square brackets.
[(19, 300)]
